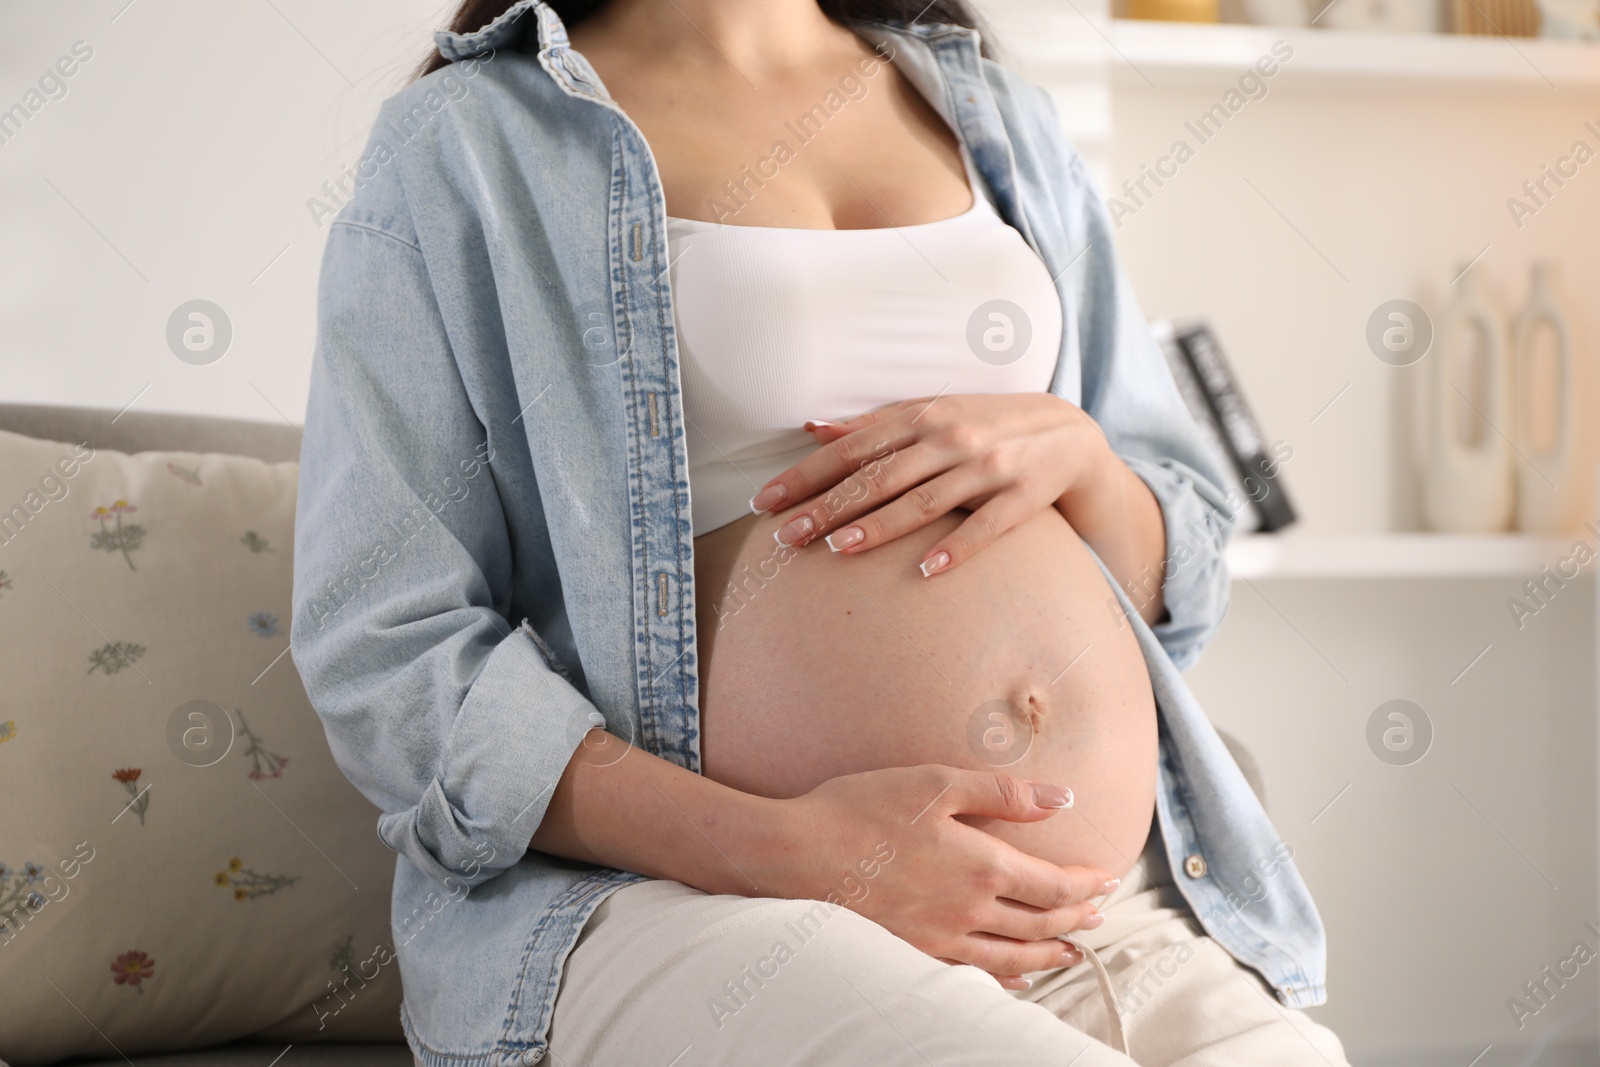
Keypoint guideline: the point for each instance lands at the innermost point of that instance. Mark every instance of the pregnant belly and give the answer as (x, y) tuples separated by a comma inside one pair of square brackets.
[(815, 664)]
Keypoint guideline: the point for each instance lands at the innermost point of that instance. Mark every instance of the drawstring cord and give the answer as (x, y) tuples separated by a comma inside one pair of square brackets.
[(1103, 977)]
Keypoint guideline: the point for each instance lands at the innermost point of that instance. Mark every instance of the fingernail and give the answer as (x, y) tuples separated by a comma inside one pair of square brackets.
[(1110, 885), (795, 529), (768, 497), (934, 564), (845, 538), (1017, 984), (1051, 796), (812, 424), (1070, 954), (1092, 922)]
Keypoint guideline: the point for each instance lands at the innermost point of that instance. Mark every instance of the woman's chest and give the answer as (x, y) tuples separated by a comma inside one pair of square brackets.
[(832, 148)]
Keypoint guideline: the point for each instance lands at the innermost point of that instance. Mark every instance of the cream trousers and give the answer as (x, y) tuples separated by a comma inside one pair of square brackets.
[(668, 976)]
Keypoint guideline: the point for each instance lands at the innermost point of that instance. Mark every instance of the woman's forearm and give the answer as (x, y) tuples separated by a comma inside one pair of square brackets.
[(622, 807), (1120, 518)]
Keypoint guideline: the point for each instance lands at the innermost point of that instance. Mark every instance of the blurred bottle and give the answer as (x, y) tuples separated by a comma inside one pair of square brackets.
[(1175, 10), (1467, 476), (1572, 20), (1551, 479), (1383, 16)]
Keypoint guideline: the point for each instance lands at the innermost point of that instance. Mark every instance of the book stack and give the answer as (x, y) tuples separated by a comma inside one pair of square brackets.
[(1251, 468)]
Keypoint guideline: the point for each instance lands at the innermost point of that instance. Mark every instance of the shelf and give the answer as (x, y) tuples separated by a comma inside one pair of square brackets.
[(1172, 54), (1399, 555)]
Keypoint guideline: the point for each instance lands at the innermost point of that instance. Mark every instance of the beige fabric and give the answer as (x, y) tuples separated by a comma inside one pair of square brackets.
[(1182, 1000), (134, 430), (129, 587), (667, 974)]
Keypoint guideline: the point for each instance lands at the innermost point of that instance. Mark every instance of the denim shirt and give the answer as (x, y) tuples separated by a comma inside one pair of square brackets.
[(493, 550)]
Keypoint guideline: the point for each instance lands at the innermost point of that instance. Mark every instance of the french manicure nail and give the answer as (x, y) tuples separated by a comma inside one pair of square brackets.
[(844, 538), (795, 529), (1017, 984), (769, 497), (1110, 885), (934, 564), (1092, 922), (1071, 954), (1051, 796), (812, 424)]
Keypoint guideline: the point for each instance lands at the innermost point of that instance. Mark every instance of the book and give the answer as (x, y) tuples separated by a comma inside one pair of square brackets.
[(1217, 403)]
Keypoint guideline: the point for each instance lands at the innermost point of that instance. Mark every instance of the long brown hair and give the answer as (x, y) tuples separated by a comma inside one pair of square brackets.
[(474, 15)]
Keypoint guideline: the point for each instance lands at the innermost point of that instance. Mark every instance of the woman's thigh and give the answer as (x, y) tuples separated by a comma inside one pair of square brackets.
[(1182, 1000), (665, 974)]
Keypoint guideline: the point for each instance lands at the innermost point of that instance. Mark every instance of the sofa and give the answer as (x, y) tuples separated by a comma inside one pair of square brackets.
[(172, 909), (190, 878)]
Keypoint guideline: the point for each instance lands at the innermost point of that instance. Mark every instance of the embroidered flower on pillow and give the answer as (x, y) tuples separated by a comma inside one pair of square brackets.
[(254, 542), (123, 537), (15, 894), (111, 658), (265, 763), (132, 968), (264, 624), (129, 777), (190, 475), (247, 884)]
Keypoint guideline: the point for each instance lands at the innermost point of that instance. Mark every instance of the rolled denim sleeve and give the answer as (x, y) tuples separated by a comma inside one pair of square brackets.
[(445, 715), (1127, 387)]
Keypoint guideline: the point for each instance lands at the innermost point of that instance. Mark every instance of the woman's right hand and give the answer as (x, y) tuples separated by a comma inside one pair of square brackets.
[(955, 892)]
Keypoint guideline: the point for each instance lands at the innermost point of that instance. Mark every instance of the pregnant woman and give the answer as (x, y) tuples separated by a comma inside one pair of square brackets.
[(747, 541)]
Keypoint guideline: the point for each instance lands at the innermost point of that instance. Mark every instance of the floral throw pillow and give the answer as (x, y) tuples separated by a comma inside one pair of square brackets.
[(181, 862)]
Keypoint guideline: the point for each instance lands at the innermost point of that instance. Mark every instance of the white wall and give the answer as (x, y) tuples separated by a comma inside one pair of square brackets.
[(1437, 913), (178, 167)]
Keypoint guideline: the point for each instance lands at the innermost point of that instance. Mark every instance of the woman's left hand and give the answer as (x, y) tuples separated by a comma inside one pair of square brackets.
[(1005, 457)]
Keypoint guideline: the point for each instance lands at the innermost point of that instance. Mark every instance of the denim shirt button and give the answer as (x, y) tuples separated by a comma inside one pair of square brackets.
[(1195, 866)]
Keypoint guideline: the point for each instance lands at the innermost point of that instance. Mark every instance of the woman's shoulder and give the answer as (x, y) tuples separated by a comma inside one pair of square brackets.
[(1031, 117), (449, 123), (1026, 108)]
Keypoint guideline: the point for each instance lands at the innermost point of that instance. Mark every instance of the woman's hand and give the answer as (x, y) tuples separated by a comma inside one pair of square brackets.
[(890, 845), (1005, 457)]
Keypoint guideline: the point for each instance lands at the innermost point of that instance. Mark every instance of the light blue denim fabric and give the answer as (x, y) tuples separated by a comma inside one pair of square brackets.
[(493, 550)]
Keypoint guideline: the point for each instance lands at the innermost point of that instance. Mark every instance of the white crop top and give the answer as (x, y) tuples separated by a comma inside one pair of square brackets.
[(777, 326)]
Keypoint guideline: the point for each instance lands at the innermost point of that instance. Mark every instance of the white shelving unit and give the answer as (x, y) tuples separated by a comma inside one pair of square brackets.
[(1396, 556), (1371, 168), (1168, 53)]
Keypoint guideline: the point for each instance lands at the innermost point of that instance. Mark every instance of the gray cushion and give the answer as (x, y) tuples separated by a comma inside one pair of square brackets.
[(139, 431), (253, 1054)]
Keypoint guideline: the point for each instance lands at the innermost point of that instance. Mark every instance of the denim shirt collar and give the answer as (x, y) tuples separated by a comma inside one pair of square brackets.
[(504, 32), (512, 25)]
